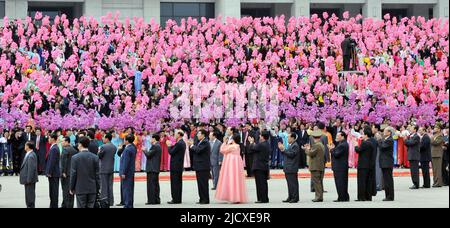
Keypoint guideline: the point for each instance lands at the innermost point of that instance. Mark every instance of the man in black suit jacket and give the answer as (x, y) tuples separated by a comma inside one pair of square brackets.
[(365, 152), (29, 174), (302, 139), (153, 168), (52, 170), (202, 165), (291, 159), (85, 175), (413, 145), (261, 154), (66, 160), (176, 168), (106, 155), (425, 156), (41, 150), (93, 145), (339, 163), (386, 160)]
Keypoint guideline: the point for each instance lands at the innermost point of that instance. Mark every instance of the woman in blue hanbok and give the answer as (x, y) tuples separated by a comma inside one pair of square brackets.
[(147, 146), (116, 141)]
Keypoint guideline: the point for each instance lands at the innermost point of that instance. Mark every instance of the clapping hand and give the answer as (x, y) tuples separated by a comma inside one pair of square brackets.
[(331, 146), (169, 143)]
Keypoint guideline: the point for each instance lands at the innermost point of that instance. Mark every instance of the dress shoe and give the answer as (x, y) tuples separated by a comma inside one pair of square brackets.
[(172, 202), (317, 200), (119, 205), (213, 189), (293, 201), (287, 201), (437, 186), (260, 202), (426, 187), (153, 203), (414, 187), (388, 200), (202, 203)]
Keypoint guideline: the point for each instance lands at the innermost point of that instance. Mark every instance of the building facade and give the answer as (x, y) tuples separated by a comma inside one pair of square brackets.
[(162, 10)]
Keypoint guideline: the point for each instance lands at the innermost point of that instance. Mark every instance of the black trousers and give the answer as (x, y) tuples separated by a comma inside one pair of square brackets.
[(86, 201), (203, 185), (346, 63), (261, 185), (364, 191), (388, 179), (249, 164), (341, 181), (425, 166), (415, 174), (444, 171), (53, 191), (292, 183), (68, 199), (373, 181), (153, 188), (30, 195), (176, 186)]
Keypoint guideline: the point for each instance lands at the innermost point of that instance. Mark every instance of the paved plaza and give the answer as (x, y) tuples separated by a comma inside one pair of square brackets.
[(13, 196)]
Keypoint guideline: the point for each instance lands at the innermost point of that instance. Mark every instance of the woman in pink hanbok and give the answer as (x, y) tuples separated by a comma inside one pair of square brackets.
[(231, 186)]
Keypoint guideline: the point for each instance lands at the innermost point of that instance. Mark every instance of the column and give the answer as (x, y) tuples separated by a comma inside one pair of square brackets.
[(441, 9), (301, 8), (93, 8), (373, 9), (152, 10), (228, 8), (15, 9)]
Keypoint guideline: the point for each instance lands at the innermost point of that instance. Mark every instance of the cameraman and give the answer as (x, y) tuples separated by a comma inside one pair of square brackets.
[(348, 50)]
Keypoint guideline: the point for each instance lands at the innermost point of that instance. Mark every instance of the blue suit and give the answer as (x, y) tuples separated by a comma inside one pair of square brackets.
[(127, 168)]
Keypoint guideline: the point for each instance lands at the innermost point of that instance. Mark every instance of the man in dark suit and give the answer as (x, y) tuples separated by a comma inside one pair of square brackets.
[(425, 157), (176, 167), (127, 171), (261, 154), (291, 160), (28, 134), (413, 145), (302, 139), (365, 154), (216, 157), (41, 150), (29, 174), (93, 145), (202, 164), (153, 168), (85, 175), (347, 48), (386, 161), (106, 156), (52, 170), (66, 160), (339, 163)]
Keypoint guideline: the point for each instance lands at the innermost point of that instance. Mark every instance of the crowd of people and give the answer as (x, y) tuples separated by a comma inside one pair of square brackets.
[(61, 70), (227, 155)]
